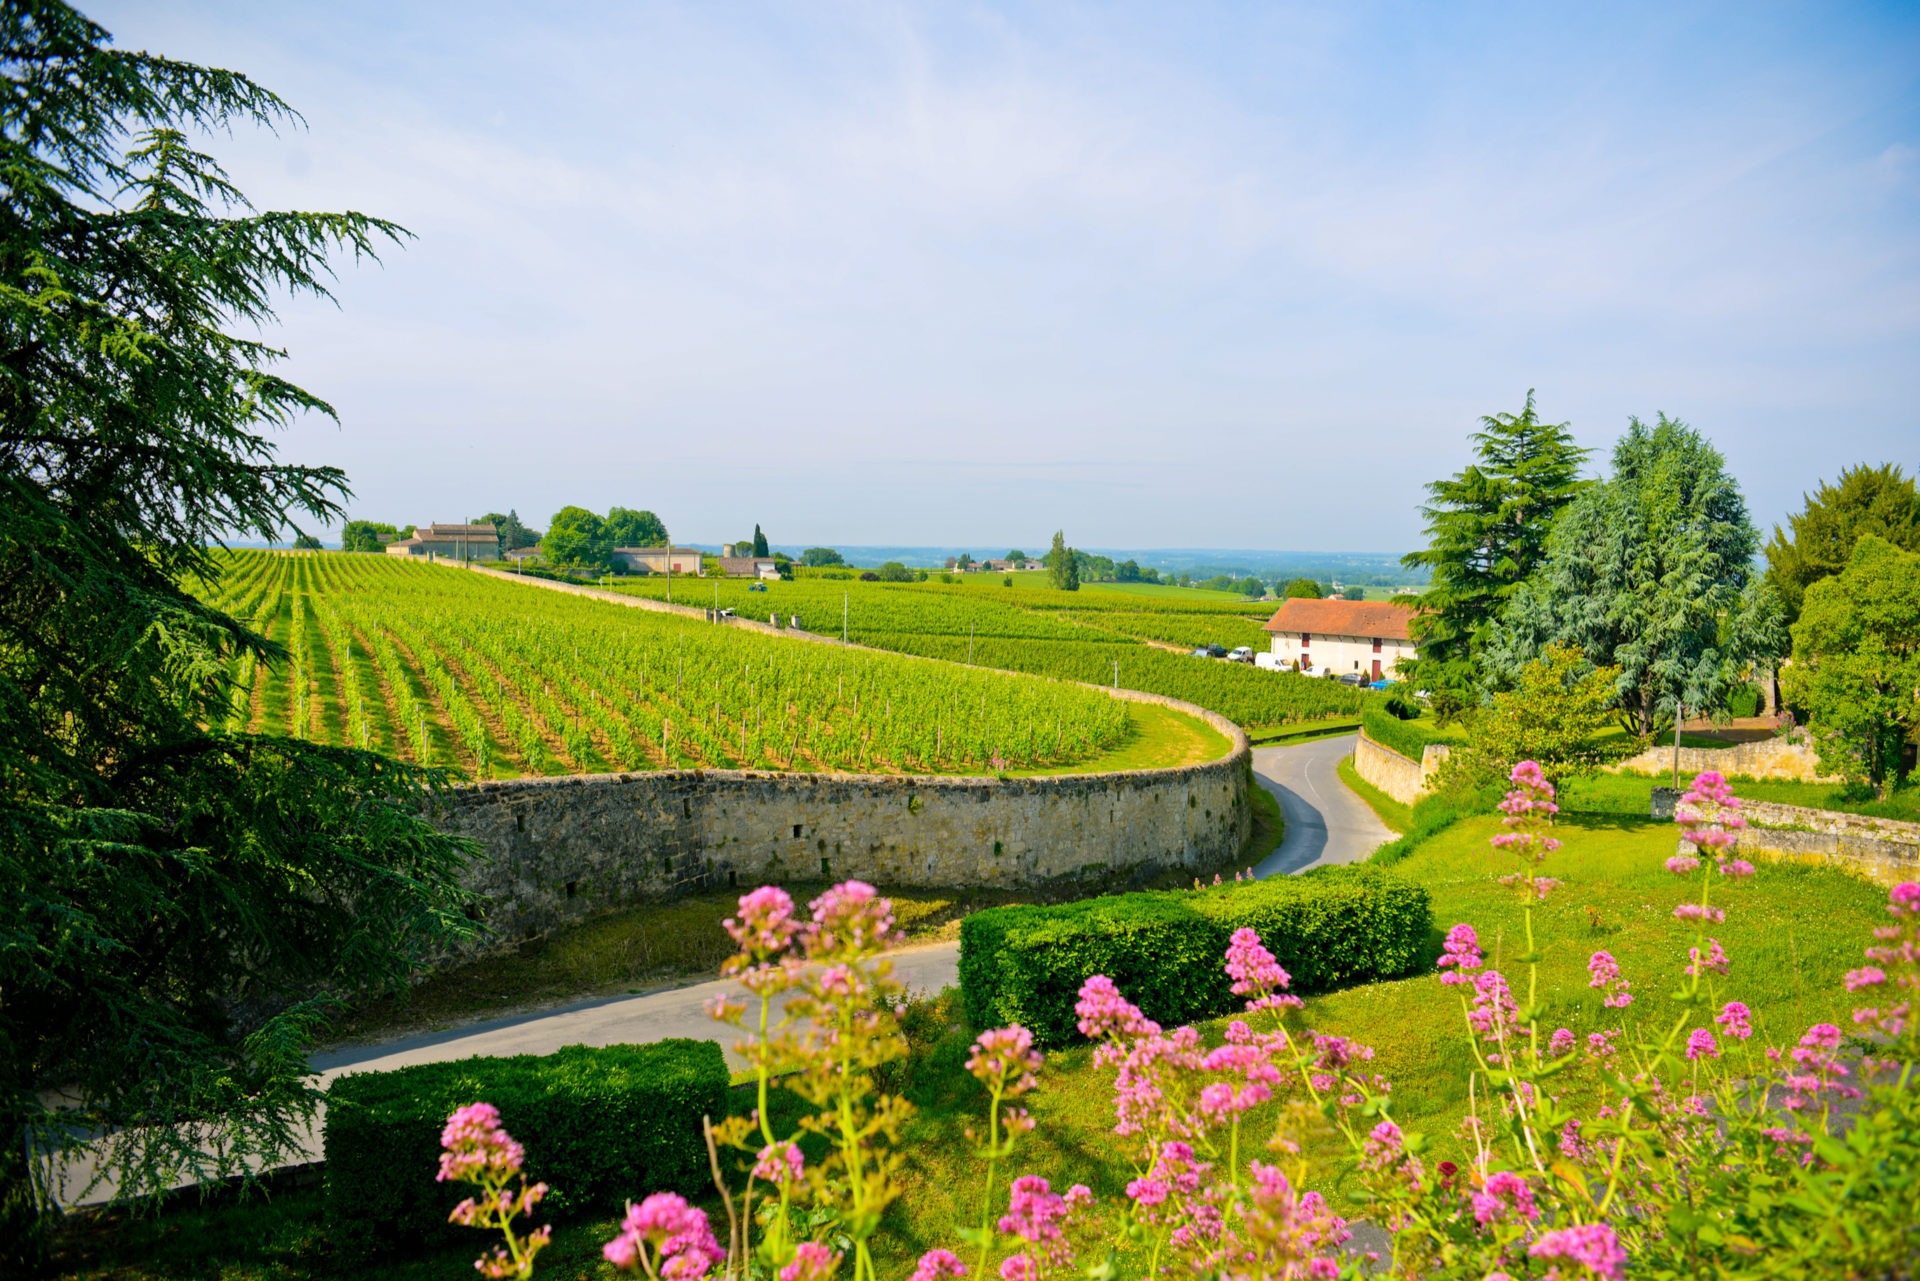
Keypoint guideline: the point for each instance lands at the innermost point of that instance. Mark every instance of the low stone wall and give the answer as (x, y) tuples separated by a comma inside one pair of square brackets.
[(1882, 849), (1404, 779), (562, 849), (1791, 759)]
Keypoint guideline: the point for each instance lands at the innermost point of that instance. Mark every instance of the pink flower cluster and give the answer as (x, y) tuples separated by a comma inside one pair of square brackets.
[(811, 1262), (667, 1238), (1714, 961), (1256, 974), (1105, 1014), (1605, 975), (478, 1150), (1005, 1061), (1710, 820), (1593, 1247), (935, 1265), (1460, 953), (476, 1146), (1528, 809), (1504, 1192), (1817, 1068), (1735, 1020), (1035, 1217), (1894, 978)]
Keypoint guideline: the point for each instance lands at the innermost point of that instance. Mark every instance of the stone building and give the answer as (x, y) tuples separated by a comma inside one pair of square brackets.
[(657, 560), (449, 542), (1337, 637)]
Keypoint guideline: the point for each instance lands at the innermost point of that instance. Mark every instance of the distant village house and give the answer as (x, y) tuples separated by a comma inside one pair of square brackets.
[(1336, 637), (657, 560), (735, 564), (449, 542)]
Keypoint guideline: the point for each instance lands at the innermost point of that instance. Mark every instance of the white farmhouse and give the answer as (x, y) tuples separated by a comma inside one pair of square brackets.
[(1335, 637)]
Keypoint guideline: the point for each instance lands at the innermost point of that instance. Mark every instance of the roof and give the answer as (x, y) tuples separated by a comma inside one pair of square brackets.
[(657, 551), (1385, 619), (460, 531), (744, 562)]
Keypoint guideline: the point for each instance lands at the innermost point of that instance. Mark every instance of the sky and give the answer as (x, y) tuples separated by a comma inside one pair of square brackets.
[(1159, 275)]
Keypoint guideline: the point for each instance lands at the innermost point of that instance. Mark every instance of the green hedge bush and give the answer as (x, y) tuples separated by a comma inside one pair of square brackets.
[(1166, 950), (1409, 738), (601, 1125)]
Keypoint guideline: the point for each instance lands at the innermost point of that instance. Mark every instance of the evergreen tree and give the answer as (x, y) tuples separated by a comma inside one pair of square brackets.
[(1649, 572), (759, 542), (1063, 564), (181, 906), (1880, 501), (1487, 530), (513, 534)]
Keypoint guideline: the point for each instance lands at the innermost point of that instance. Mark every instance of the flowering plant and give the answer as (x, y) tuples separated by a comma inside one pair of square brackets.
[(1683, 1149)]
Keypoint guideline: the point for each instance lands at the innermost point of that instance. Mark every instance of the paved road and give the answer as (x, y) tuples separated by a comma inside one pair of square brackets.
[(1325, 824)]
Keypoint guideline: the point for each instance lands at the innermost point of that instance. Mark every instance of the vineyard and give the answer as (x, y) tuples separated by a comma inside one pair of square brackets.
[(1099, 637), (492, 679)]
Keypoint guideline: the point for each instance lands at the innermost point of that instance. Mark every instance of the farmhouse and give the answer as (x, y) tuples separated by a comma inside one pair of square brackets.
[(1334, 637), (657, 560), (449, 542)]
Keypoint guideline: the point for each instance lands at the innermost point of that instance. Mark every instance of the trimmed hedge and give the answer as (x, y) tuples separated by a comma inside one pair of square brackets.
[(1166, 950), (1405, 737), (601, 1125)]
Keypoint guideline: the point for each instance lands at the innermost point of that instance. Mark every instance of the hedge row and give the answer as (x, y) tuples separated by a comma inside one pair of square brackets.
[(601, 1125), (1166, 950), (1409, 738)]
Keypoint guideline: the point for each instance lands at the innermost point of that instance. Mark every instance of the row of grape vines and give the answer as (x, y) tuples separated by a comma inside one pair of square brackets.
[(455, 669)]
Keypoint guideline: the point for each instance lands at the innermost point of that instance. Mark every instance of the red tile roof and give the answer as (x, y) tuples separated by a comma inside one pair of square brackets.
[(1381, 618)]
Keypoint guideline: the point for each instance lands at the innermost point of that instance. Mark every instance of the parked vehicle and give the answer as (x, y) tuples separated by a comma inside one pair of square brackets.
[(1381, 684), (1351, 678), (1210, 651), (1244, 654), (756, 587)]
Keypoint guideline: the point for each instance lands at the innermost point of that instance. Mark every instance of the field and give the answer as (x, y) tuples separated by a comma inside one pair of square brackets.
[(1102, 637), (1791, 933), (493, 679)]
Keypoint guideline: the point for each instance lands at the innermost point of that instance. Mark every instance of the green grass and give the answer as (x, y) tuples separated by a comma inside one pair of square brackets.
[(1633, 794), (1792, 932), (1172, 591), (1303, 733), (1158, 738), (1396, 816)]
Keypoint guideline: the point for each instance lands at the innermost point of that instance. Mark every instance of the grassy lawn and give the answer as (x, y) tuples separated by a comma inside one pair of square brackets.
[(1391, 812), (1158, 738), (1791, 932)]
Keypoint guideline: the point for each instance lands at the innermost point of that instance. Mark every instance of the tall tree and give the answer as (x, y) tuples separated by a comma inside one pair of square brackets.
[(1063, 564), (625, 528), (513, 534), (177, 903), (1856, 662), (1302, 589), (364, 535), (759, 542), (1881, 501), (579, 539), (1649, 572), (1487, 529)]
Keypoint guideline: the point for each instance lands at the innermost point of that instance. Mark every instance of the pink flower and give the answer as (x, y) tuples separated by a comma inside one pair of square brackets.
[(1105, 1013), (1006, 1057), (849, 920), (1255, 973), (780, 1164), (676, 1233), (1018, 1267), (1034, 1210), (1461, 953), (1592, 1246), (1503, 1191), (476, 1145), (1605, 972), (811, 1262), (1600, 1044), (1716, 959), (1561, 1043), (765, 926), (1683, 865), (1695, 912), (1494, 1015), (1147, 1192), (1078, 1197), (1734, 1020), (935, 1264), (1701, 1045), (1868, 976)]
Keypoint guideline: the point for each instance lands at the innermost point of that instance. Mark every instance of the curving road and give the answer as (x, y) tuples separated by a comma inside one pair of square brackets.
[(1326, 823)]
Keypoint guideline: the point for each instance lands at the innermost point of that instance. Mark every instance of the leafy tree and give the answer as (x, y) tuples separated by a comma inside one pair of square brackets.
[(1487, 530), (1063, 569), (963, 561), (1016, 556), (364, 536), (1253, 588), (1868, 500), (513, 534), (625, 528), (1301, 589), (759, 542), (304, 542), (1649, 572), (1127, 571), (895, 572), (1553, 714), (818, 557), (180, 905), (1353, 593), (1856, 662), (578, 539)]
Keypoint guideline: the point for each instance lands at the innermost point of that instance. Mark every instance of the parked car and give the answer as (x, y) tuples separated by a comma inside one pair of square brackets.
[(1381, 684), (1244, 654), (1210, 651), (1351, 678)]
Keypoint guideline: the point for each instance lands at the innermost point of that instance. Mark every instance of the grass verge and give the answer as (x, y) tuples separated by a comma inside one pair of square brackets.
[(1396, 816), (1158, 738)]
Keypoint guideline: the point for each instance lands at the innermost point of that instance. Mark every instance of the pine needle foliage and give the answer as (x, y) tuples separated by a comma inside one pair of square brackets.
[(178, 904)]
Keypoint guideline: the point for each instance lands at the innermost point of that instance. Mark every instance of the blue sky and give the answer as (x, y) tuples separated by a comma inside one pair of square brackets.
[(1163, 275)]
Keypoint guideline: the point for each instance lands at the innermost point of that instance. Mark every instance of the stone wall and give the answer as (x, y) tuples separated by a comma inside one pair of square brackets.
[(1404, 779), (1881, 849), (1769, 758), (562, 849)]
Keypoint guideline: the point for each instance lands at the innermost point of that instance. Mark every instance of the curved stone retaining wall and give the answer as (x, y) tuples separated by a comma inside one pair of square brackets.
[(562, 849), (1404, 779)]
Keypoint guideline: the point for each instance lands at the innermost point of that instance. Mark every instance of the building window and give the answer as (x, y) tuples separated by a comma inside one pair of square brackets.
[(1376, 644), (1306, 639)]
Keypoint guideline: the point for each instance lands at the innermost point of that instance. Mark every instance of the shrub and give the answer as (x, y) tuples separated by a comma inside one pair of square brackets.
[(1401, 707), (603, 1121), (1025, 964), (1403, 736), (1744, 701)]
